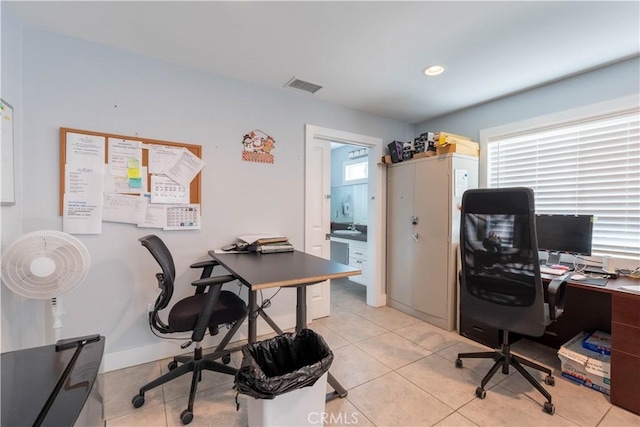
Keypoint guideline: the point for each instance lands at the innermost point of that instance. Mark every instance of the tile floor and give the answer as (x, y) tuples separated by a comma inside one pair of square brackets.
[(399, 371)]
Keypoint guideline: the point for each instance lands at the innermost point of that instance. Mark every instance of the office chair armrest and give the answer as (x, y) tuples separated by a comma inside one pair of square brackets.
[(203, 264), (207, 310), (215, 280), (202, 283), (206, 266), (555, 296)]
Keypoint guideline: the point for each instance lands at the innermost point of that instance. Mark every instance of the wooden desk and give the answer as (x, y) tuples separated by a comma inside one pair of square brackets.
[(591, 308), (609, 309), (289, 269)]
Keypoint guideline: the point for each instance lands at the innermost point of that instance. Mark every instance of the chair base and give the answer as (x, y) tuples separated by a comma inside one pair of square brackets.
[(196, 364), (503, 359)]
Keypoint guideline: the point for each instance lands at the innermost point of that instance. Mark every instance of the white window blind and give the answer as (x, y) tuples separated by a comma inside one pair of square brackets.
[(590, 167)]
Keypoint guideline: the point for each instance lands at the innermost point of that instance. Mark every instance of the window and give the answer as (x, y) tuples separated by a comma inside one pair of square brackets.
[(356, 172), (588, 166)]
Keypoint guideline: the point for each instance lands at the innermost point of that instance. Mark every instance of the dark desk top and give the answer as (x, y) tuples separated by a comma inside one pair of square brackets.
[(30, 376), (261, 271)]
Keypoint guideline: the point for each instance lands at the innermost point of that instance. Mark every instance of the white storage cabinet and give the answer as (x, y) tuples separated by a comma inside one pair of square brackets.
[(423, 216)]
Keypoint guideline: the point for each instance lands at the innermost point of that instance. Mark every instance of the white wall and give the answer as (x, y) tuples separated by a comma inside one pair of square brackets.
[(69, 83), (614, 81), (10, 215)]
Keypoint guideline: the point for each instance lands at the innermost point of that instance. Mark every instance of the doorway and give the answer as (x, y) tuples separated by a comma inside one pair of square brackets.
[(318, 211)]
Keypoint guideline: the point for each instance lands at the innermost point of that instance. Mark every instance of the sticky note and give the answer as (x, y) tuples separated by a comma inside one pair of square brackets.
[(133, 163), (135, 182), (133, 173)]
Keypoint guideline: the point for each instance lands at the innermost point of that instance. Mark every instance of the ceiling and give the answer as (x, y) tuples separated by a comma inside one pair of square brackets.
[(368, 56)]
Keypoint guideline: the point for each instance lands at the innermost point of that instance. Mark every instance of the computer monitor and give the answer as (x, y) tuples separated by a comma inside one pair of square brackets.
[(564, 233)]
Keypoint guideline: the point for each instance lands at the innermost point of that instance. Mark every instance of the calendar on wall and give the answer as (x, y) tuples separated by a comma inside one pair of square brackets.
[(183, 217)]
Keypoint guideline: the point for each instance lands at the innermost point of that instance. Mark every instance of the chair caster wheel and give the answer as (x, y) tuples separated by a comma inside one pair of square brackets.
[(458, 363), (549, 408), (481, 393), (549, 380), (172, 365), (186, 416), (137, 401), (226, 359)]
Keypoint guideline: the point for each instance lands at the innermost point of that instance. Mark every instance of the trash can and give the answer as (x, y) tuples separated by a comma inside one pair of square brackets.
[(285, 378)]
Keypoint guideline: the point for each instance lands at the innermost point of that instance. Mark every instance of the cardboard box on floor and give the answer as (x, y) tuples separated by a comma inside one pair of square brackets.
[(584, 366)]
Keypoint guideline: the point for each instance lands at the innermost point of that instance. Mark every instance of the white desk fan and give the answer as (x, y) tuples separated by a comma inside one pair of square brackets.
[(45, 265)]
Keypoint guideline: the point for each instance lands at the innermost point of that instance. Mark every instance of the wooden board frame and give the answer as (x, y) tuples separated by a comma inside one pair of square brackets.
[(195, 189)]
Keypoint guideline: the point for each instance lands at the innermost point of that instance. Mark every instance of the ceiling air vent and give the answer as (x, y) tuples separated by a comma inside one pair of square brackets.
[(302, 85)]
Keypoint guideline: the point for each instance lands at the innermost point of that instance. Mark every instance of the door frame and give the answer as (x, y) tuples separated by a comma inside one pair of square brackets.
[(376, 224)]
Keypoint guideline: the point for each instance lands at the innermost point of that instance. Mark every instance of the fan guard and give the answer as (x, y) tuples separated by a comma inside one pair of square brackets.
[(44, 264)]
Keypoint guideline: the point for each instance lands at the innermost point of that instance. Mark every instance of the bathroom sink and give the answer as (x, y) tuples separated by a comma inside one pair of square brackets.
[(347, 232)]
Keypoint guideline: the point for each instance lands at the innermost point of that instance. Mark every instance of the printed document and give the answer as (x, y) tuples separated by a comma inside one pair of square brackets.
[(124, 208), (162, 156), (155, 217), (166, 190), (121, 152), (82, 201), (85, 150), (184, 168)]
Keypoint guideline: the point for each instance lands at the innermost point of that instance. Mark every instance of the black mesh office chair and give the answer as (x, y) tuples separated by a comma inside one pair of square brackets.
[(500, 282), (196, 313)]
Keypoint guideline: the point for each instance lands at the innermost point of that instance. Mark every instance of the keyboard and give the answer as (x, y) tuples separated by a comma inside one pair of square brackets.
[(554, 271)]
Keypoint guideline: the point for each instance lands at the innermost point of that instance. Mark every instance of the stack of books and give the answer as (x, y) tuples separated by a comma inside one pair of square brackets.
[(267, 244)]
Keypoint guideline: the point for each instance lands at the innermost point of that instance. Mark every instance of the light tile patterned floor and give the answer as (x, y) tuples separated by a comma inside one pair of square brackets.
[(399, 372)]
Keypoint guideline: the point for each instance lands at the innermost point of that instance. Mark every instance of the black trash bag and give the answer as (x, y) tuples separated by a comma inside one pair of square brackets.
[(284, 363)]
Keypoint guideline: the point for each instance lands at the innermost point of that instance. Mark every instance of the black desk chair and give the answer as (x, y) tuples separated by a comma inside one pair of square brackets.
[(197, 313), (500, 283)]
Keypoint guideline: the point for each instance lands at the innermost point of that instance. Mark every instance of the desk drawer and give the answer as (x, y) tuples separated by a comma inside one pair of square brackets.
[(625, 381), (626, 309), (625, 338)]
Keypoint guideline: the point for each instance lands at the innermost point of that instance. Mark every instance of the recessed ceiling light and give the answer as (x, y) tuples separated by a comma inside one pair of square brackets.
[(434, 70)]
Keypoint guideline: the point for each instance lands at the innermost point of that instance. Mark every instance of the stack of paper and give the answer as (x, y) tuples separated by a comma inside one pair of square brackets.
[(267, 243)]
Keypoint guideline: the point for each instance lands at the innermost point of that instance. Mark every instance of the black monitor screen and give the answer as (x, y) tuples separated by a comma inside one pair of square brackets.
[(565, 233)]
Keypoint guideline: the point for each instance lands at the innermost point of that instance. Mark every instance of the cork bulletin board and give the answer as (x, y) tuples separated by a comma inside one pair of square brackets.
[(195, 186)]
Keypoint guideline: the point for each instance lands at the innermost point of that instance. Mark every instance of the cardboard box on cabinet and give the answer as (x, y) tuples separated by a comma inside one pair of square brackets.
[(469, 148)]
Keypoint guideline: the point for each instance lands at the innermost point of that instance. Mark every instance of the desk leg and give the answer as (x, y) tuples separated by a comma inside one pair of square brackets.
[(301, 323), (339, 391), (254, 311), (301, 308), (253, 321)]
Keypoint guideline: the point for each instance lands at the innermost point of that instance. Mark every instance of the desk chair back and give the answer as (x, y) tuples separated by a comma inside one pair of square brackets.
[(500, 278), (162, 255)]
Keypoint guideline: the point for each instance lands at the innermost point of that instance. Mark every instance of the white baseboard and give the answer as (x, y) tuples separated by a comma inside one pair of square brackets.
[(165, 348)]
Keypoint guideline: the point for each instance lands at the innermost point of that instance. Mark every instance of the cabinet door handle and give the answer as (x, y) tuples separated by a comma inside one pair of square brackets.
[(415, 236)]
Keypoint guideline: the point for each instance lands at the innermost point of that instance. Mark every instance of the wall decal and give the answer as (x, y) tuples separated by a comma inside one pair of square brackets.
[(257, 147)]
